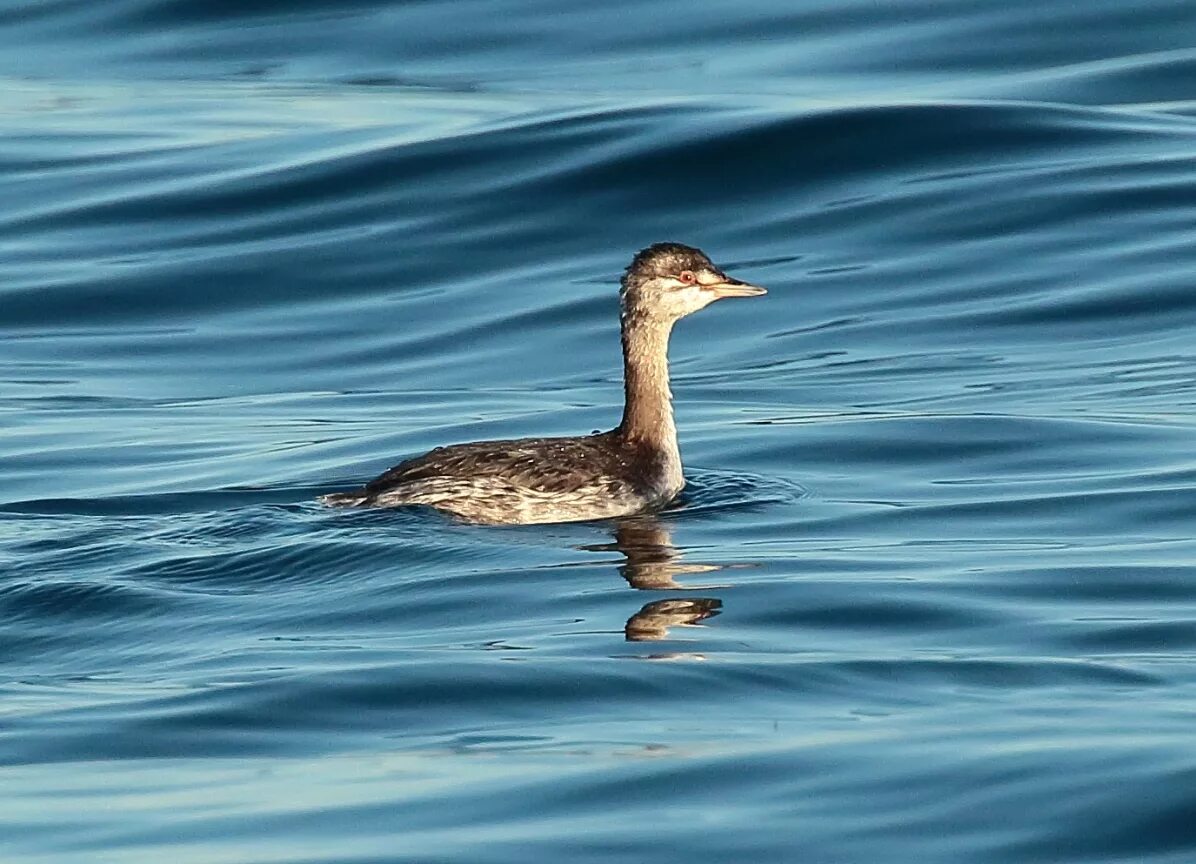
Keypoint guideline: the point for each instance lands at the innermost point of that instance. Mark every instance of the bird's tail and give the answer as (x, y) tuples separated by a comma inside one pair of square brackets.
[(344, 499)]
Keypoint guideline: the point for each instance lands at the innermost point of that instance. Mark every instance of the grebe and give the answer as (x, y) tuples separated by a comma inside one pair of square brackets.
[(633, 468)]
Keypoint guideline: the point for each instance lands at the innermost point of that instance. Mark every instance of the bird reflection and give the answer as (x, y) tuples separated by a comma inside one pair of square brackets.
[(652, 563), (652, 622)]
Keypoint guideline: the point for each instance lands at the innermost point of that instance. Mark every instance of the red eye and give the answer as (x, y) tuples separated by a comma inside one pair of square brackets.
[(688, 277)]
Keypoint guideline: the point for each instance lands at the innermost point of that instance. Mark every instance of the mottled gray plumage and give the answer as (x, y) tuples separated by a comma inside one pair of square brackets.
[(523, 480), (632, 468)]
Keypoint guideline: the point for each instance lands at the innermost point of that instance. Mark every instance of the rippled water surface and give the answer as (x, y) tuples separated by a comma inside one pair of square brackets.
[(930, 594)]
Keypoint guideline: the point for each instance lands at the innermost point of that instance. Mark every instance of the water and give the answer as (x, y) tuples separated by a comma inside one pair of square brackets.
[(930, 594)]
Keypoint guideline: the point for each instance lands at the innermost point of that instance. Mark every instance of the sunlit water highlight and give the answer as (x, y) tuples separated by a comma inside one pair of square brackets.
[(929, 596)]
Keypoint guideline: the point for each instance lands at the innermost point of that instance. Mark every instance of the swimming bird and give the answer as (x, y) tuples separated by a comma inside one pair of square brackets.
[(633, 468)]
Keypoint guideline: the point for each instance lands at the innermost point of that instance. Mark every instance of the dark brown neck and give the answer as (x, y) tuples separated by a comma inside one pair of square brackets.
[(648, 411)]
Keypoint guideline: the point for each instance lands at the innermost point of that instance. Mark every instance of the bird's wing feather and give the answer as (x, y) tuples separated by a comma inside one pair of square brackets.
[(542, 464)]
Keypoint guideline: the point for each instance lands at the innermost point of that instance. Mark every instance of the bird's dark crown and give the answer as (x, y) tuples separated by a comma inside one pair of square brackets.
[(665, 259)]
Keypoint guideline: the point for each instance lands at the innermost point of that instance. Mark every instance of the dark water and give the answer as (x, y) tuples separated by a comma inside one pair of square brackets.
[(931, 592)]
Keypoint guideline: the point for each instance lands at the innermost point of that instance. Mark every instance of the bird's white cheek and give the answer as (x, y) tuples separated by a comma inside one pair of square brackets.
[(694, 298)]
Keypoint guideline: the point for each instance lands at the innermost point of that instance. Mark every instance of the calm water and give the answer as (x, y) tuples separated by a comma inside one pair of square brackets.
[(929, 597)]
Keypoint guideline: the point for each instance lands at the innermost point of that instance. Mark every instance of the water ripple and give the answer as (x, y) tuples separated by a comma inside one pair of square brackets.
[(927, 596)]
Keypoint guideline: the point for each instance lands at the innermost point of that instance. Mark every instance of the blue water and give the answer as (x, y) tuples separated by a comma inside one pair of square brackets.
[(930, 595)]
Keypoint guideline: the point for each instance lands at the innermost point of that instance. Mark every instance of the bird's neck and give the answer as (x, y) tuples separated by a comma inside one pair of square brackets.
[(648, 411)]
